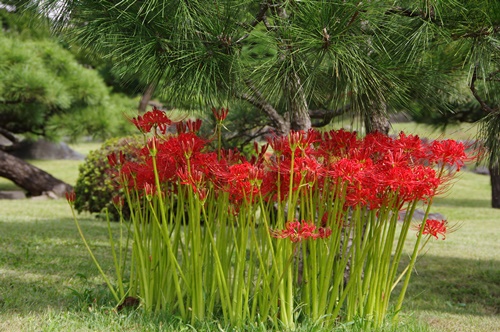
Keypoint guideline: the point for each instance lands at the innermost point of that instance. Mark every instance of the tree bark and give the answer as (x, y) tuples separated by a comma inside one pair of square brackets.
[(281, 124), (300, 118), (34, 180), (377, 119), (495, 185), (146, 97)]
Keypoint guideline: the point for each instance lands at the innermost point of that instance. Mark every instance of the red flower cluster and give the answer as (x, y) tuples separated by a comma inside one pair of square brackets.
[(434, 228), (220, 114), (370, 172), (153, 119), (297, 231)]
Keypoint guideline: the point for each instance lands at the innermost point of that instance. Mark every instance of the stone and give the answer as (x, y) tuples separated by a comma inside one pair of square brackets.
[(45, 150)]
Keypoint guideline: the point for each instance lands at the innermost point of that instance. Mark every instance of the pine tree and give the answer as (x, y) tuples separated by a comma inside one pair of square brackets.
[(295, 59)]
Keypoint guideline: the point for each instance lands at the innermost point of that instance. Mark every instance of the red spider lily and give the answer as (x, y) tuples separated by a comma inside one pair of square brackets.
[(180, 147), (261, 151), (152, 119), (337, 143), (243, 182), (280, 145), (181, 127), (297, 231), (324, 232), (70, 196), (114, 160), (410, 183), (411, 146), (305, 170), (434, 228), (220, 114), (232, 156), (351, 171), (448, 152), (193, 126), (118, 200), (373, 146), (149, 190), (302, 140)]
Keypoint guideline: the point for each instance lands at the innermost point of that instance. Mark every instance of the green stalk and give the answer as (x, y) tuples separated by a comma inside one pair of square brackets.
[(166, 238), (414, 255), (110, 286), (411, 265)]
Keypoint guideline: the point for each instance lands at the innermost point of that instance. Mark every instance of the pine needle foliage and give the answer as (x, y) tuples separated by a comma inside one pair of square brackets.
[(295, 56)]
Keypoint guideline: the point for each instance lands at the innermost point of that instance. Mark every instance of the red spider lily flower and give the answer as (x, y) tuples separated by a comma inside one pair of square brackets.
[(297, 231), (118, 200), (220, 114), (114, 160), (373, 146), (202, 194), (152, 119), (243, 182), (142, 124), (411, 146), (280, 145), (337, 143), (306, 170), (324, 232), (303, 140), (70, 196), (232, 156), (448, 152), (434, 228), (261, 152), (193, 126), (149, 190), (193, 178)]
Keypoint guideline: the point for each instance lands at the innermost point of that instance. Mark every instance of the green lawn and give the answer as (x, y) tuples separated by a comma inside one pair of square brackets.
[(49, 283)]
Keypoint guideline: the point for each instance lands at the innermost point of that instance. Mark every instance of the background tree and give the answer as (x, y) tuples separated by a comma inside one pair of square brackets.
[(45, 92)]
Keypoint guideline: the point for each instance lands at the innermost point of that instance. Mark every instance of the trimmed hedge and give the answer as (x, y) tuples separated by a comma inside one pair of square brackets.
[(96, 187)]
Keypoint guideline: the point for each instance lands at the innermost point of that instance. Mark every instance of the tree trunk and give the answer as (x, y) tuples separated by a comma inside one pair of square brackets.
[(495, 185), (300, 118), (146, 97), (34, 180), (377, 120)]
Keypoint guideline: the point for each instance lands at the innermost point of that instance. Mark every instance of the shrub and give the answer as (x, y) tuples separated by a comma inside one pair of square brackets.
[(95, 187)]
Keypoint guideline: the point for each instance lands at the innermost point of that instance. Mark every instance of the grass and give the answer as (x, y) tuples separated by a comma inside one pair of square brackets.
[(48, 282)]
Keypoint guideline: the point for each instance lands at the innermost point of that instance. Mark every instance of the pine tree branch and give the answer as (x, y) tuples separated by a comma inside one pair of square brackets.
[(9, 136), (327, 115), (484, 106), (260, 17), (412, 13), (258, 100), (479, 33)]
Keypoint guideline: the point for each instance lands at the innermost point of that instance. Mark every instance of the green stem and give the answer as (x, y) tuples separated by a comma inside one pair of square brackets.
[(110, 286)]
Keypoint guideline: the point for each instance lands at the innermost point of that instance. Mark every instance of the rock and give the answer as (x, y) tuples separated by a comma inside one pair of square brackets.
[(43, 149), (419, 215), (482, 170), (17, 194)]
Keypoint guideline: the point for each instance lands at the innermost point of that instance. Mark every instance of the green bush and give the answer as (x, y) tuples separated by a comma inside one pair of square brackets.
[(96, 187)]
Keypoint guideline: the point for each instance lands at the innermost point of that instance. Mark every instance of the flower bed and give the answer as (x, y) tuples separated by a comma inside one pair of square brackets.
[(309, 230)]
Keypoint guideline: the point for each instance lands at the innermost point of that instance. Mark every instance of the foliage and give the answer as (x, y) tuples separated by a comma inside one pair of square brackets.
[(217, 236), (280, 57), (44, 91), (95, 187)]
